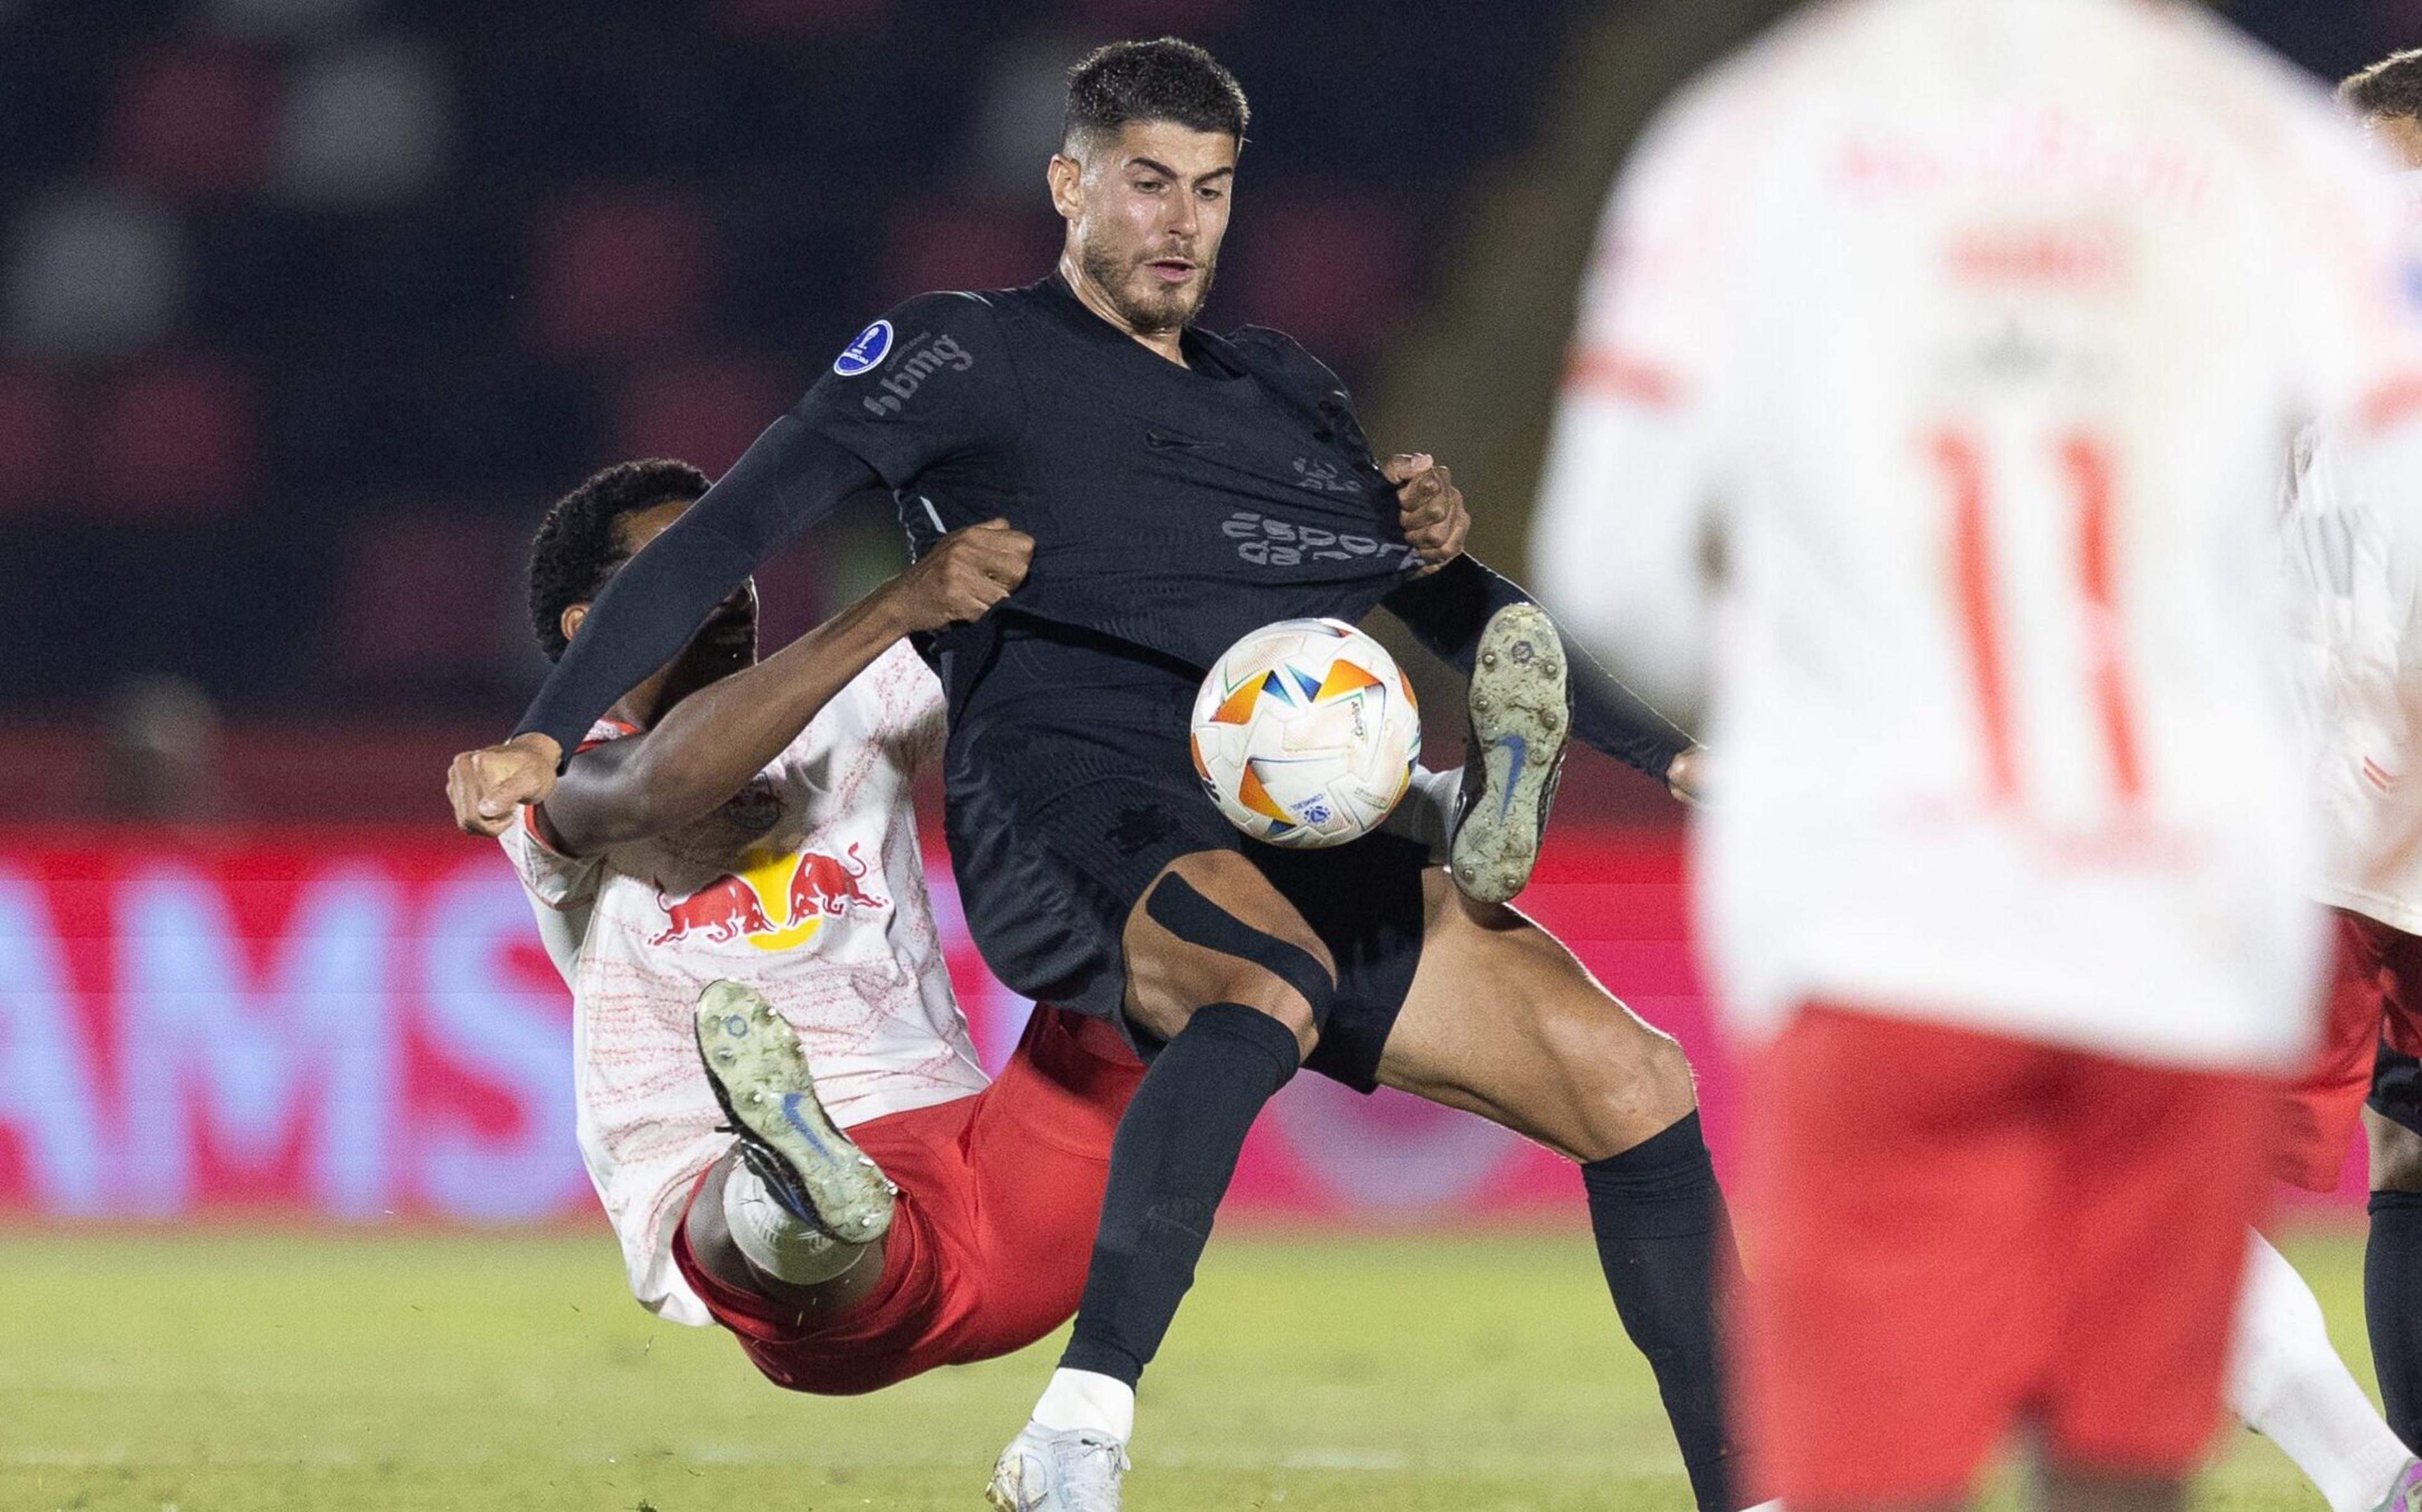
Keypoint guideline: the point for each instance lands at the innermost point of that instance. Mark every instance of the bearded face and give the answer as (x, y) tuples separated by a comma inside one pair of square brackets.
[(1146, 210)]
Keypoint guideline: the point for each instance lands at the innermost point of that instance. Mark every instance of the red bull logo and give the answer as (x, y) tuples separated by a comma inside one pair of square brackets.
[(722, 910), (812, 886), (826, 884)]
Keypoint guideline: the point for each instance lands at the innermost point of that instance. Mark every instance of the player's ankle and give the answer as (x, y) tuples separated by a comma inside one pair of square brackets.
[(778, 1242), (1087, 1401)]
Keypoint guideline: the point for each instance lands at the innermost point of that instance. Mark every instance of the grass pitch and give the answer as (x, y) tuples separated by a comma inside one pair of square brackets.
[(176, 1372)]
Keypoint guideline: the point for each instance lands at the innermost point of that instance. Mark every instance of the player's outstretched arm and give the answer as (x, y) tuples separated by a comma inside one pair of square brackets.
[(712, 741), (1450, 616), (790, 478), (1446, 611)]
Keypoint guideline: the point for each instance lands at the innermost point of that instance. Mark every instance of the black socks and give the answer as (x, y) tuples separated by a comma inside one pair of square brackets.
[(2392, 1308), (1667, 1247), (1659, 1221), (1170, 1165)]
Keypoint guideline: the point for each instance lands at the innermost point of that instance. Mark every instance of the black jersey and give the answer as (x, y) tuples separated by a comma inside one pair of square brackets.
[(1172, 508)]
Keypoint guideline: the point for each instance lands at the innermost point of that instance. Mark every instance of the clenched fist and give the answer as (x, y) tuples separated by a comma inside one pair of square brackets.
[(965, 573), (1429, 507), (487, 785)]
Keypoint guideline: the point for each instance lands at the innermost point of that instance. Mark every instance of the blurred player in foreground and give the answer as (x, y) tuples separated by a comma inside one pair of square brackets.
[(2356, 559), (1968, 335), (1184, 488), (738, 819)]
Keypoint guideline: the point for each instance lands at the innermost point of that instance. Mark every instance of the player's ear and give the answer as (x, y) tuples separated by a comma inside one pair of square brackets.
[(569, 621), (1066, 176)]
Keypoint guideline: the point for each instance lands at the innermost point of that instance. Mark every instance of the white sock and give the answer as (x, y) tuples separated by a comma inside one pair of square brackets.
[(783, 1246), (1088, 1399), (1426, 812), (2286, 1382)]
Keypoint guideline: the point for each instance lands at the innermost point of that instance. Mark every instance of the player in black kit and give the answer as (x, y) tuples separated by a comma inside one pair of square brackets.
[(1182, 489)]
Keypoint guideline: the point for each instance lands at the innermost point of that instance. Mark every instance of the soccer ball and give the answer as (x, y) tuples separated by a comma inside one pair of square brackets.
[(1305, 733)]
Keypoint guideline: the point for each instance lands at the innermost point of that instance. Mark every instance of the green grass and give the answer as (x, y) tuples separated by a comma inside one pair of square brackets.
[(226, 1372)]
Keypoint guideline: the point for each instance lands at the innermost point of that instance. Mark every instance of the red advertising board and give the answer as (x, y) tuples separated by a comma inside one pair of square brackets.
[(359, 1025)]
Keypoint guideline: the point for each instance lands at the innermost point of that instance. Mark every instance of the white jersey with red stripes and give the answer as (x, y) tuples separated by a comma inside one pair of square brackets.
[(2353, 548), (808, 885), (2355, 561), (1971, 333)]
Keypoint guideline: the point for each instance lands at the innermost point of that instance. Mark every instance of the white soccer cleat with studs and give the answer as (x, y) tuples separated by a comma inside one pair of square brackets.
[(1046, 1471)]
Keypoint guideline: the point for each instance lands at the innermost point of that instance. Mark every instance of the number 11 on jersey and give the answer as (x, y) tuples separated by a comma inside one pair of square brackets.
[(1978, 587)]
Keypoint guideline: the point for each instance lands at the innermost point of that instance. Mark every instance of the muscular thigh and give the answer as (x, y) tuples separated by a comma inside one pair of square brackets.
[(1503, 1021), (1251, 947)]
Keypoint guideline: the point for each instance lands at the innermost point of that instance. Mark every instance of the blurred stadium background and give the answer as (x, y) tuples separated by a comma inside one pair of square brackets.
[(307, 309)]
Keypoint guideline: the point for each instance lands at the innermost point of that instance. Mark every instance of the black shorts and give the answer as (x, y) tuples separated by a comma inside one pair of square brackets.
[(2397, 1088), (1064, 806)]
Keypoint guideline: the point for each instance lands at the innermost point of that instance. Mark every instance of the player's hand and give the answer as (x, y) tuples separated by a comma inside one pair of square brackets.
[(1682, 777), (486, 786), (965, 573), (1430, 509)]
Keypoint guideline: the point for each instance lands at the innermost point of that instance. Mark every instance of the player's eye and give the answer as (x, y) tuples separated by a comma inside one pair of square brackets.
[(1209, 191), (1149, 186)]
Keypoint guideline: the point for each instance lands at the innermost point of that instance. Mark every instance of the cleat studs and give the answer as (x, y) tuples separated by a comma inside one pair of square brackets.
[(1522, 651), (737, 1026), (1488, 658)]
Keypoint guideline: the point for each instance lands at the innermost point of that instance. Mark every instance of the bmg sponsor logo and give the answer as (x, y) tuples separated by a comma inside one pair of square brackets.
[(923, 355)]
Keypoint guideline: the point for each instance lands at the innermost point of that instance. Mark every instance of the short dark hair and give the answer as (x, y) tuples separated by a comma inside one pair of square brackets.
[(580, 544), (1168, 79), (2391, 87)]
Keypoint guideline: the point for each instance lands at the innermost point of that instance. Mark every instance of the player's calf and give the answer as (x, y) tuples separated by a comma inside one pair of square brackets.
[(2392, 1260), (1503, 1020), (1225, 971), (1521, 718), (801, 1203)]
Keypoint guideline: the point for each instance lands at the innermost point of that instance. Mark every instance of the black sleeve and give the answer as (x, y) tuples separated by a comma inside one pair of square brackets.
[(1446, 612), (930, 382), (789, 478)]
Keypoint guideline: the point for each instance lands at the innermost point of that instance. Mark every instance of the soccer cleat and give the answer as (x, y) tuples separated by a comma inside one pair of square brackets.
[(2406, 1494), (759, 1076), (1043, 1471), (1521, 718)]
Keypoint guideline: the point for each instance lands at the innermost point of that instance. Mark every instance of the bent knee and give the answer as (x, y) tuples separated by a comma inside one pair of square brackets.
[(1660, 1087), (1188, 948), (1267, 997), (1671, 1088), (1629, 1081)]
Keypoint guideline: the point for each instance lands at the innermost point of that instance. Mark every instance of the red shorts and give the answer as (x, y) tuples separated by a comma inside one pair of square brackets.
[(2375, 994), (1000, 1194), (1958, 1233)]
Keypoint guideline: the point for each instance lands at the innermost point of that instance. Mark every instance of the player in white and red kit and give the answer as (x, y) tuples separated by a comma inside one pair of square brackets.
[(2354, 548), (736, 822), (1968, 331)]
